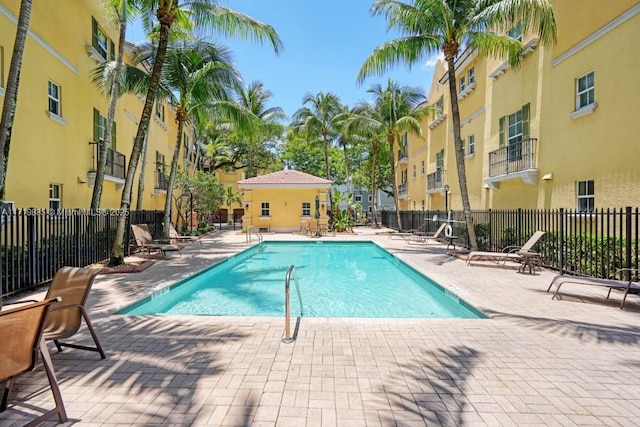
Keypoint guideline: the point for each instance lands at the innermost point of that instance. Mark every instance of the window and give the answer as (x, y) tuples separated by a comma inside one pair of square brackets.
[(422, 168), (472, 76), (160, 164), (440, 106), (54, 98), (585, 90), (423, 205), (472, 145), (264, 209), (514, 129), (55, 190), (516, 32), (586, 196), (306, 208), (101, 43), (370, 198), (358, 198), (160, 111), (414, 171), (405, 176), (100, 126), (463, 83), (440, 160)]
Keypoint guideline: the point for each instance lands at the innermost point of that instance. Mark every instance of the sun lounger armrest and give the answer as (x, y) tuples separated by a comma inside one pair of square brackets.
[(511, 249), (632, 272)]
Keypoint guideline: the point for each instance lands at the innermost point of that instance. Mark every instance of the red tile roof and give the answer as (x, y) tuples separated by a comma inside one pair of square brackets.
[(287, 177)]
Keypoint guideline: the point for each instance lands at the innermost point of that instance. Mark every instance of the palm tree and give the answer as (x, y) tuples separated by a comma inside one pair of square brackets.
[(204, 14), (11, 91), (396, 110), (197, 72), (317, 120), (431, 26)]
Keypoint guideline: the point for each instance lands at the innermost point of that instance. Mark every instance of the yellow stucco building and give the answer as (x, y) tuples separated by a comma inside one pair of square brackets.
[(558, 132), (280, 201), (61, 115)]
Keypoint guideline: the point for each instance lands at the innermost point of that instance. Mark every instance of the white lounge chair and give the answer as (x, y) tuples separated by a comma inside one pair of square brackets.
[(513, 253), (612, 283), (421, 237)]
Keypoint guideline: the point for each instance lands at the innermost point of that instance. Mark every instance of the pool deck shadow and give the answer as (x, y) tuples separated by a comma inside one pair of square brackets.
[(534, 360)]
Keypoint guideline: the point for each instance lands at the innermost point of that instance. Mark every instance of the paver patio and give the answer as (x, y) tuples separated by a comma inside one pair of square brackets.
[(533, 362)]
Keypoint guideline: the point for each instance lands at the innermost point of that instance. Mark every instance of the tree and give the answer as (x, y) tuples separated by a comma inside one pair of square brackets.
[(396, 110), (431, 26), (11, 91), (204, 14)]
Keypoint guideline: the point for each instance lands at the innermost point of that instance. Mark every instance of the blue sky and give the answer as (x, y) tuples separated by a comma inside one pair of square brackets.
[(326, 43)]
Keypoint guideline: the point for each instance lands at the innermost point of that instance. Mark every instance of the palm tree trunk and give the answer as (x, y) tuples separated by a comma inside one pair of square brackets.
[(172, 174), (11, 92), (113, 100), (391, 139), (117, 253), (143, 167), (459, 150)]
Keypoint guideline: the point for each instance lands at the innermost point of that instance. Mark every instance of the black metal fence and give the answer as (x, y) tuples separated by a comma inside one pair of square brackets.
[(592, 244), (35, 243)]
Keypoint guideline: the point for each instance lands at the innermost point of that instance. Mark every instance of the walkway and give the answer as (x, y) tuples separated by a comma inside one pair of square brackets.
[(534, 362)]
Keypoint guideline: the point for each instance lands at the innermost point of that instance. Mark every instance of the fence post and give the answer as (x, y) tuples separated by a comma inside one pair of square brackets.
[(561, 241), (628, 236), (519, 226), (490, 243), (76, 230), (31, 246)]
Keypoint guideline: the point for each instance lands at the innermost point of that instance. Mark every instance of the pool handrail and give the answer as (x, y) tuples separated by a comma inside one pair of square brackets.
[(287, 339), (253, 230)]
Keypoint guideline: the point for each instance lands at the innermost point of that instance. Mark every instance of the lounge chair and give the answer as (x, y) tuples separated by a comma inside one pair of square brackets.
[(513, 253), (612, 283), (421, 237), (22, 329), (146, 243), (178, 238), (72, 284), (408, 233)]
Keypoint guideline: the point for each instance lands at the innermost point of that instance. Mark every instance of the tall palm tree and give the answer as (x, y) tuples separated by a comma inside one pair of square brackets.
[(11, 91), (197, 72), (316, 119), (203, 14), (396, 110), (431, 26)]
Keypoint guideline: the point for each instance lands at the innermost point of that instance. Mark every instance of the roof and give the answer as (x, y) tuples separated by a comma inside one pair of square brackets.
[(285, 178)]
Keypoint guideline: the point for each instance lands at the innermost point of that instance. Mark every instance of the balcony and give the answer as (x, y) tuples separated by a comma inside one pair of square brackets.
[(515, 161), (402, 191), (435, 182), (162, 183), (114, 169), (402, 157)]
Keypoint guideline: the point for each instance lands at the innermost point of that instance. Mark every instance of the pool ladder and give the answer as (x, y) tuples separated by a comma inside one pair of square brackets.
[(287, 339), (252, 230)]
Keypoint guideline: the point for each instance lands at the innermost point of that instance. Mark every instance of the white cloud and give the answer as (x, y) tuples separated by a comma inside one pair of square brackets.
[(433, 60)]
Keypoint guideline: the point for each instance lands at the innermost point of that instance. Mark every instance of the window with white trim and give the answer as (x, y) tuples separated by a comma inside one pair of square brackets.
[(440, 160), (160, 111), (471, 146), (357, 198), (586, 196), (306, 208), (440, 106), (370, 198), (463, 83), (264, 209), (101, 43), (585, 90), (54, 99), (472, 76), (414, 171), (516, 32), (422, 168), (55, 199)]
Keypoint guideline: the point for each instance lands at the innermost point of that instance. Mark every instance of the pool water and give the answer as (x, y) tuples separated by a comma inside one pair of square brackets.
[(337, 279)]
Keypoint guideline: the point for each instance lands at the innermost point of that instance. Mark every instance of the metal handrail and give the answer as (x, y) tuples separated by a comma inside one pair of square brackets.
[(253, 230), (287, 304)]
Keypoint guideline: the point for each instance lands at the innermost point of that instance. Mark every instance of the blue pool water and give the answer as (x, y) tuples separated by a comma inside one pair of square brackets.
[(337, 279)]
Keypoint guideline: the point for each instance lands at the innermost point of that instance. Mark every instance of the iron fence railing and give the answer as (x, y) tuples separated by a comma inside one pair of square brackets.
[(116, 162), (35, 243), (592, 244), (162, 181), (434, 180), (515, 157)]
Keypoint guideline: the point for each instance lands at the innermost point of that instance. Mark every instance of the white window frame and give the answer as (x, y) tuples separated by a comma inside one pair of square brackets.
[(265, 210), (160, 111), (101, 43), (471, 147), (589, 91), (370, 198), (55, 197), (357, 198), (422, 168), (514, 127), (585, 200), (55, 104), (306, 209), (472, 76), (463, 83), (516, 32)]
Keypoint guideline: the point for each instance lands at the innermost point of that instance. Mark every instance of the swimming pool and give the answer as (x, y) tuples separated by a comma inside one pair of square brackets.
[(337, 279)]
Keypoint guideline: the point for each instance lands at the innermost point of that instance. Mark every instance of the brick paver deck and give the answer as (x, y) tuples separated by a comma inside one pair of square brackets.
[(533, 362)]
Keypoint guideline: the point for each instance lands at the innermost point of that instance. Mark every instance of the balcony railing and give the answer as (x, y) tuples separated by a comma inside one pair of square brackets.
[(515, 157), (162, 181), (434, 180), (116, 162), (402, 156)]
